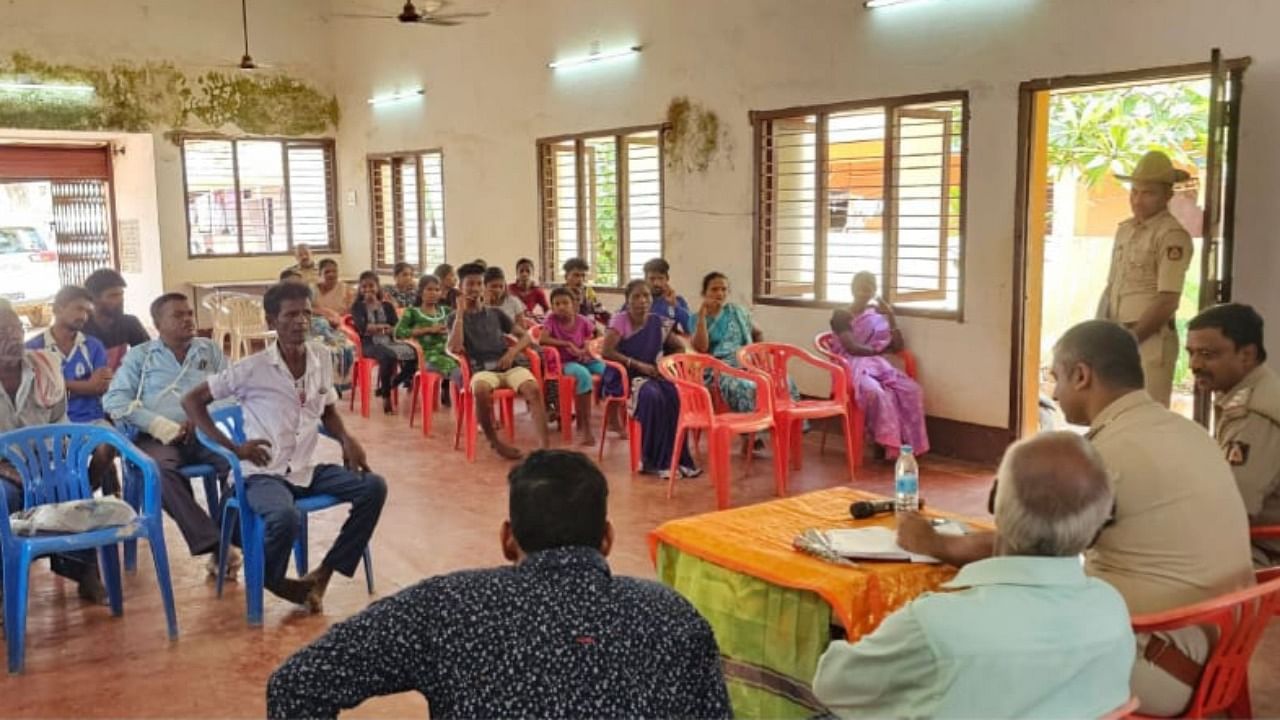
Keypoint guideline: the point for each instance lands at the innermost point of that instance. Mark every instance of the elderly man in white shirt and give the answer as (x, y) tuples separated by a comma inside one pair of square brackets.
[(1024, 633), (286, 392)]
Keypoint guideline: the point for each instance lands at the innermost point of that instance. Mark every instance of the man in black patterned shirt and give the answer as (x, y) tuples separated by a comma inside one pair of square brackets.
[(554, 635)]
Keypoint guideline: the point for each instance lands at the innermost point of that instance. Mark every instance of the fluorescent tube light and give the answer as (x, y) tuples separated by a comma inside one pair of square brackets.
[(49, 88), (595, 57), (883, 3), (397, 97)]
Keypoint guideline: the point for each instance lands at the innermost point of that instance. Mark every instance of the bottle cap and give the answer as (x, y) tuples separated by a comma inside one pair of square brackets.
[(906, 449)]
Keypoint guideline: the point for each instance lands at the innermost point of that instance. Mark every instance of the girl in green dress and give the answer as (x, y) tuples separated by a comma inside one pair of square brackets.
[(428, 323)]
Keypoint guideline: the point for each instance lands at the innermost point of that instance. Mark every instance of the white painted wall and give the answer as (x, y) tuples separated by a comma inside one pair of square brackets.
[(489, 95), (195, 35)]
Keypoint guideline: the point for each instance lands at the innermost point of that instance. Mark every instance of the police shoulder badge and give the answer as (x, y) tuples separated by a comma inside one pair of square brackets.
[(1174, 253), (1237, 453)]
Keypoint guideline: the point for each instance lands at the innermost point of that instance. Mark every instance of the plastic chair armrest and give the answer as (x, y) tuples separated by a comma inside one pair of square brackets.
[(225, 454), (353, 337), (464, 367), (1218, 611), (551, 364), (839, 376), (130, 454), (685, 387), (5, 531), (622, 373), (763, 383)]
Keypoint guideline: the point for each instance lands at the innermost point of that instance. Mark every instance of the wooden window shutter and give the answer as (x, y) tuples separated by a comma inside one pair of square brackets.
[(641, 165), (558, 169), (924, 200), (312, 192), (431, 208), (381, 209), (787, 206)]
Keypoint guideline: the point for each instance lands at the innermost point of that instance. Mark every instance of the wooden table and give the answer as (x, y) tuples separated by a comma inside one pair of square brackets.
[(774, 609)]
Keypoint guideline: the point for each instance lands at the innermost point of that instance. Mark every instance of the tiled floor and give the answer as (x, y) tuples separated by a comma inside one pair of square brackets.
[(442, 514)]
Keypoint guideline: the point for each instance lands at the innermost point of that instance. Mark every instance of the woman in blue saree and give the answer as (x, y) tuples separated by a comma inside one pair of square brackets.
[(636, 339), (722, 329)]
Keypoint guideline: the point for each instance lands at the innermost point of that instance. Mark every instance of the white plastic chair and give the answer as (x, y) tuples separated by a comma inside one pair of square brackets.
[(215, 303), (248, 324)]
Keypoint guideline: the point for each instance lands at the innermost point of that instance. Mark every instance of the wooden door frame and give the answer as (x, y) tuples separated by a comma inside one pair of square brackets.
[(1026, 121)]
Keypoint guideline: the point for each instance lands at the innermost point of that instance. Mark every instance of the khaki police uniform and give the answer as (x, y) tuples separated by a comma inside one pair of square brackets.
[(1179, 533), (1248, 430), (1149, 257)]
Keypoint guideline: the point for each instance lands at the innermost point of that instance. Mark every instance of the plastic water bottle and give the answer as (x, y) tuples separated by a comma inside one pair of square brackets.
[(906, 482)]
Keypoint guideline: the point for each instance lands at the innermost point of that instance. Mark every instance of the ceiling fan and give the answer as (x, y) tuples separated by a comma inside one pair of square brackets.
[(246, 60), (429, 15)]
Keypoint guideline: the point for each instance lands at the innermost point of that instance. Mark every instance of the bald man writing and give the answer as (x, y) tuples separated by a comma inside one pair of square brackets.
[(1026, 620), (1179, 533)]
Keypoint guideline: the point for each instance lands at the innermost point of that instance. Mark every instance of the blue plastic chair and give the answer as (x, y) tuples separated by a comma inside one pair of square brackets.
[(53, 463), (132, 495), (252, 529)]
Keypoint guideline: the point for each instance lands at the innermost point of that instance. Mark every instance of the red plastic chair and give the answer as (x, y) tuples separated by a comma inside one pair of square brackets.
[(566, 388), (464, 406), (825, 343), (596, 347), (425, 390), (1122, 712), (1266, 532), (688, 371), (788, 414), (1239, 619), (363, 371)]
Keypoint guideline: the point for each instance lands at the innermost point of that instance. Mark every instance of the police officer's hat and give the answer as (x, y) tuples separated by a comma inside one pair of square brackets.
[(1156, 167)]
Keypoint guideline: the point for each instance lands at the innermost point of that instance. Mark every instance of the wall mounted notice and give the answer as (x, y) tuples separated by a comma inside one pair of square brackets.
[(130, 243)]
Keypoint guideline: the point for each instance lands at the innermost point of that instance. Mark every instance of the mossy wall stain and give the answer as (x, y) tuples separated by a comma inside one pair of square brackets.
[(692, 137), (157, 96)]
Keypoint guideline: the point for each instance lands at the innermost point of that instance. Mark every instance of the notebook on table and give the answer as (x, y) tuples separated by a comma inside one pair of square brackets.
[(877, 543)]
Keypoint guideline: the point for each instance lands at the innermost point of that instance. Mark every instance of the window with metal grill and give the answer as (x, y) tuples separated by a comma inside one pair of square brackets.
[(601, 196), (259, 196), (407, 191), (873, 186)]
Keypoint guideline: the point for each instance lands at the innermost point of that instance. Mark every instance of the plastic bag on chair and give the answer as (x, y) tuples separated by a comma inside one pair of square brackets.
[(73, 516)]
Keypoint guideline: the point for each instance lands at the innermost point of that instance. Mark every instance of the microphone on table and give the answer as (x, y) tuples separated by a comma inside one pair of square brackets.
[(863, 509)]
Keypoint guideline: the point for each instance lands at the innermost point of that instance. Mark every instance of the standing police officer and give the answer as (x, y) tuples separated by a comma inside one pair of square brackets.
[(1148, 265)]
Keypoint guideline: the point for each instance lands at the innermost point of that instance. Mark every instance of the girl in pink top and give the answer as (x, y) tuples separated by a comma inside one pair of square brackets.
[(567, 333)]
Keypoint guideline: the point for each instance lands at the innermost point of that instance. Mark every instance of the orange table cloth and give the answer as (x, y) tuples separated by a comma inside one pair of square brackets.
[(756, 540)]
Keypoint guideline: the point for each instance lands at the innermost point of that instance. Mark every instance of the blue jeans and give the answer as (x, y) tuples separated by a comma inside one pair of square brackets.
[(272, 497), (581, 373)]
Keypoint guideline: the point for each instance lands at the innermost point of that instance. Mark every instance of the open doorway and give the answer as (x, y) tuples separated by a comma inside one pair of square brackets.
[(55, 218), (1078, 134)]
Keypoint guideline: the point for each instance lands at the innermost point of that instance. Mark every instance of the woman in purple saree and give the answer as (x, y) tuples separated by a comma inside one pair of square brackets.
[(892, 402), (636, 339)]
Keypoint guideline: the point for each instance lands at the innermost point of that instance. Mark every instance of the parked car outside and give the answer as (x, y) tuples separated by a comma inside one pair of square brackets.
[(28, 267)]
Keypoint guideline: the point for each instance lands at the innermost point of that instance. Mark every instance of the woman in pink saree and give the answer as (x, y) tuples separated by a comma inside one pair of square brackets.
[(892, 402)]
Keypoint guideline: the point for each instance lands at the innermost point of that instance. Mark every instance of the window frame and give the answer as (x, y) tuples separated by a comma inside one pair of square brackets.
[(397, 210), (889, 105), (547, 273), (327, 145)]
